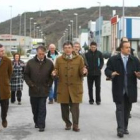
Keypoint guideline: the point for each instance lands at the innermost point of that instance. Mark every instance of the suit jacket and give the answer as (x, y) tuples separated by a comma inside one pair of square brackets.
[(115, 63)]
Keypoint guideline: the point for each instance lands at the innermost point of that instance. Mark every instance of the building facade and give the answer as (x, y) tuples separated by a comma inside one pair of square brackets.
[(131, 30), (15, 41)]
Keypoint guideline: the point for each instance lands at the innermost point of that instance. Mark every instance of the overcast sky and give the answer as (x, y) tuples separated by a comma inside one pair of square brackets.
[(20, 6)]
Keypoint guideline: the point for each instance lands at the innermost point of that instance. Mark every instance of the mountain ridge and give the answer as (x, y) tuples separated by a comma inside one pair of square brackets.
[(54, 22)]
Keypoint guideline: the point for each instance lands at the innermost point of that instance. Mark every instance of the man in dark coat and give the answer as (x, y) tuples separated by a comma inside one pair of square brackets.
[(131, 52), (5, 75), (123, 69), (95, 63), (38, 77)]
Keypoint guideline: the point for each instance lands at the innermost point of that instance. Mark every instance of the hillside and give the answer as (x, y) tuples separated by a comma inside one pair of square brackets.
[(54, 22)]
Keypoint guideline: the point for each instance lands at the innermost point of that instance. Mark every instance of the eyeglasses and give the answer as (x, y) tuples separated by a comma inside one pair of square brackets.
[(77, 46)]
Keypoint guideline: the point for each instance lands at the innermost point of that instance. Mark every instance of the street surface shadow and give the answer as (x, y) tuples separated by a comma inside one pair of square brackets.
[(18, 132)]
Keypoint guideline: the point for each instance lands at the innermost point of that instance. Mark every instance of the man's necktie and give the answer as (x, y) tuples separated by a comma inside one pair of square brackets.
[(125, 59)]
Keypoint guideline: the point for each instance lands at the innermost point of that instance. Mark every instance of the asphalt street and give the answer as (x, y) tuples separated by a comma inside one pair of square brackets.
[(96, 122)]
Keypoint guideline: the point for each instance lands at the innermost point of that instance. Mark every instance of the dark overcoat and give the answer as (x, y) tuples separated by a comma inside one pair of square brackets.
[(115, 63), (38, 77)]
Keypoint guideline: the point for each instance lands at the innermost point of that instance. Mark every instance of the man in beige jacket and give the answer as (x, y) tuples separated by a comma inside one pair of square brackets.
[(70, 69)]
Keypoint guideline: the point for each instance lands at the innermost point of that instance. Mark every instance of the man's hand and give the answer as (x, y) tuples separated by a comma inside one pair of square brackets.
[(114, 74), (54, 72), (85, 70), (137, 74)]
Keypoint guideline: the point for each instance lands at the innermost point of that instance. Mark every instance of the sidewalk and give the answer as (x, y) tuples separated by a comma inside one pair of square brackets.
[(96, 122)]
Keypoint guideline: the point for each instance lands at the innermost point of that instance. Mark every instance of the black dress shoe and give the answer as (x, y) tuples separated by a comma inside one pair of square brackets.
[(126, 132), (68, 128), (41, 129), (91, 102), (36, 126), (120, 134), (76, 129), (4, 123), (98, 103)]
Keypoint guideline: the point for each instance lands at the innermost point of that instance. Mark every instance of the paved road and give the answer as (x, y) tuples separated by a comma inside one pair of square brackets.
[(96, 122)]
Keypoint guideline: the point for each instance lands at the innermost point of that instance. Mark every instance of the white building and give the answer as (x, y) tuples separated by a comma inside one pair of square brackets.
[(15, 41), (106, 37), (91, 31), (114, 32), (83, 37), (131, 31), (98, 32), (37, 41)]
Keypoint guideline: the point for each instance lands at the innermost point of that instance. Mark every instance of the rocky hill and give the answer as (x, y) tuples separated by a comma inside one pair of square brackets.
[(54, 22)]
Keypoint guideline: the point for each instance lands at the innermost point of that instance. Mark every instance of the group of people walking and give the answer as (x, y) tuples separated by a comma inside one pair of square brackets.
[(65, 72)]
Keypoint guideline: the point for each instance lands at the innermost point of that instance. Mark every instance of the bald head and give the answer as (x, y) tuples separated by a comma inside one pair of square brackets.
[(52, 48), (124, 39)]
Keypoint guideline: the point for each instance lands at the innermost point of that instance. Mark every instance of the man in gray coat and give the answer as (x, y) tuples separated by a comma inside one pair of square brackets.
[(38, 77)]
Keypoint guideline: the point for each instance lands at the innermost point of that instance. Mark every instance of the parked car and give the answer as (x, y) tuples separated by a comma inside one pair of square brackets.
[(32, 53), (13, 50), (28, 52)]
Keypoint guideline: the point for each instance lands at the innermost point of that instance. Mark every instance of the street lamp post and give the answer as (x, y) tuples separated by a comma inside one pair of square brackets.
[(71, 30), (37, 31), (61, 43), (20, 16), (123, 18), (64, 36), (67, 34), (76, 24), (24, 29), (79, 29), (24, 24), (31, 27), (34, 29), (40, 33), (99, 22), (10, 24), (20, 28)]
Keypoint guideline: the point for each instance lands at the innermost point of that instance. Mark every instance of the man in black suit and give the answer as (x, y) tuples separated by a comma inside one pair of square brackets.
[(123, 69), (95, 63)]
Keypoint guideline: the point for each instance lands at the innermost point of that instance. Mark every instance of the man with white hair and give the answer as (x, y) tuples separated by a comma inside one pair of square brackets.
[(53, 54)]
